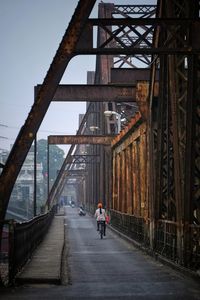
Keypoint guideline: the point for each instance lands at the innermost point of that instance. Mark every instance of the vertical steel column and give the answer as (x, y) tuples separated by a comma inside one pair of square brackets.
[(129, 180), (177, 156), (123, 181), (138, 176), (192, 168), (102, 76), (109, 177), (134, 183), (143, 174), (35, 179), (48, 175), (114, 183), (118, 182)]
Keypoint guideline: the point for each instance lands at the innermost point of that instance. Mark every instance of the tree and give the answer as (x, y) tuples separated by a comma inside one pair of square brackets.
[(56, 158)]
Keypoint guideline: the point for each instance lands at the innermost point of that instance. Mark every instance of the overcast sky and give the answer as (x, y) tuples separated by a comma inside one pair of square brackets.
[(31, 32)]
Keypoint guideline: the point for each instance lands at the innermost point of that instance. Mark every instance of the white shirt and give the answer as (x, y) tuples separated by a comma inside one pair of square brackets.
[(102, 216)]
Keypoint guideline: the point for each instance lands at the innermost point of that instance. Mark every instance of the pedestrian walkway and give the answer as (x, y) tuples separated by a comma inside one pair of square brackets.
[(45, 264)]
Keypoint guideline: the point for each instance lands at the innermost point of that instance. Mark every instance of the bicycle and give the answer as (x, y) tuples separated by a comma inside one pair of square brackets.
[(101, 229)]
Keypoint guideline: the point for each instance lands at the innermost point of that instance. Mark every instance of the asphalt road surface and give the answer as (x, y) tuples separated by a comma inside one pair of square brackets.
[(109, 269), (113, 269)]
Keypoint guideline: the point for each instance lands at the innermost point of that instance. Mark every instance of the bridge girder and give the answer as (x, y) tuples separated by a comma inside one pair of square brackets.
[(94, 93), (80, 139)]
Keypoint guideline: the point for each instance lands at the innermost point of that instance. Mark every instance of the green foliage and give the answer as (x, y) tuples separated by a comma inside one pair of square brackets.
[(56, 158)]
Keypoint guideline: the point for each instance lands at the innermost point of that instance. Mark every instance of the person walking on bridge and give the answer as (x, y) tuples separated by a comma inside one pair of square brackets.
[(100, 215)]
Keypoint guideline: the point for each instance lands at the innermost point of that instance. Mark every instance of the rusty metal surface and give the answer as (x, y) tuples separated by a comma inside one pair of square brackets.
[(174, 140), (41, 104), (130, 169), (94, 93), (130, 76), (142, 94), (80, 139)]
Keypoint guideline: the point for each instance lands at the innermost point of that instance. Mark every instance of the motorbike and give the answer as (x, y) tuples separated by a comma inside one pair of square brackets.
[(81, 212)]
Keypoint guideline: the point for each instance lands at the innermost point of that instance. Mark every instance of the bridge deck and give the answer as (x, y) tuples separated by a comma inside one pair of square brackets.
[(99, 269)]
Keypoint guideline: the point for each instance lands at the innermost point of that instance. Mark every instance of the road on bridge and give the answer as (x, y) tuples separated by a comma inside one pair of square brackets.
[(111, 268)]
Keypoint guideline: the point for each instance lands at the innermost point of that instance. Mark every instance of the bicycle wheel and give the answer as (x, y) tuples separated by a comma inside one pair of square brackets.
[(101, 230), (101, 233)]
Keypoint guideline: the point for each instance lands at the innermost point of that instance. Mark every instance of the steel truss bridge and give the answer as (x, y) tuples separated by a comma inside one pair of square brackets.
[(148, 72)]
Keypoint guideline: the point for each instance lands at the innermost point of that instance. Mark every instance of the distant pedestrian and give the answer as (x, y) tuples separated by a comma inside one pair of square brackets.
[(61, 201)]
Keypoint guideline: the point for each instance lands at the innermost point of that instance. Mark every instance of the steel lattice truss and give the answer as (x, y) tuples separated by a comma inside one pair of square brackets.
[(175, 136), (76, 166), (117, 30), (85, 159), (132, 36)]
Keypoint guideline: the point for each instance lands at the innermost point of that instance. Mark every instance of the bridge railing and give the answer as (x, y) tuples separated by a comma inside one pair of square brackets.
[(165, 241), (193, 251), (19, 240), (132, 226)]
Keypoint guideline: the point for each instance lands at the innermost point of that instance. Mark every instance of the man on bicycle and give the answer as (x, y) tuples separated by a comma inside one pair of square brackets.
[(100, 215)]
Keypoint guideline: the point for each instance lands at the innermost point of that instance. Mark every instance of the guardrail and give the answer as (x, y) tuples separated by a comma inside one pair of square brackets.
[(134, 227), (19, 240), (165, 241)]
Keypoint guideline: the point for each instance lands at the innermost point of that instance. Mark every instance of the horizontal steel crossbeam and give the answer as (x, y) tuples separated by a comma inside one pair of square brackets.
[(94, 93), (141, 21), (80, 139), (188, 50)]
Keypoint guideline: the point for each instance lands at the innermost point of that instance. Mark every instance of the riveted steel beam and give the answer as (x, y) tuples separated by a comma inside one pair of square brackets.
[(80, 139), (142, 92), (94, 93), (130, 76), (188, 50), (141, 21)]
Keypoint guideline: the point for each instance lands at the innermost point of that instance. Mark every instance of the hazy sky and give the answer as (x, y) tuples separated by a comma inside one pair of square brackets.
[(31, 32)]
